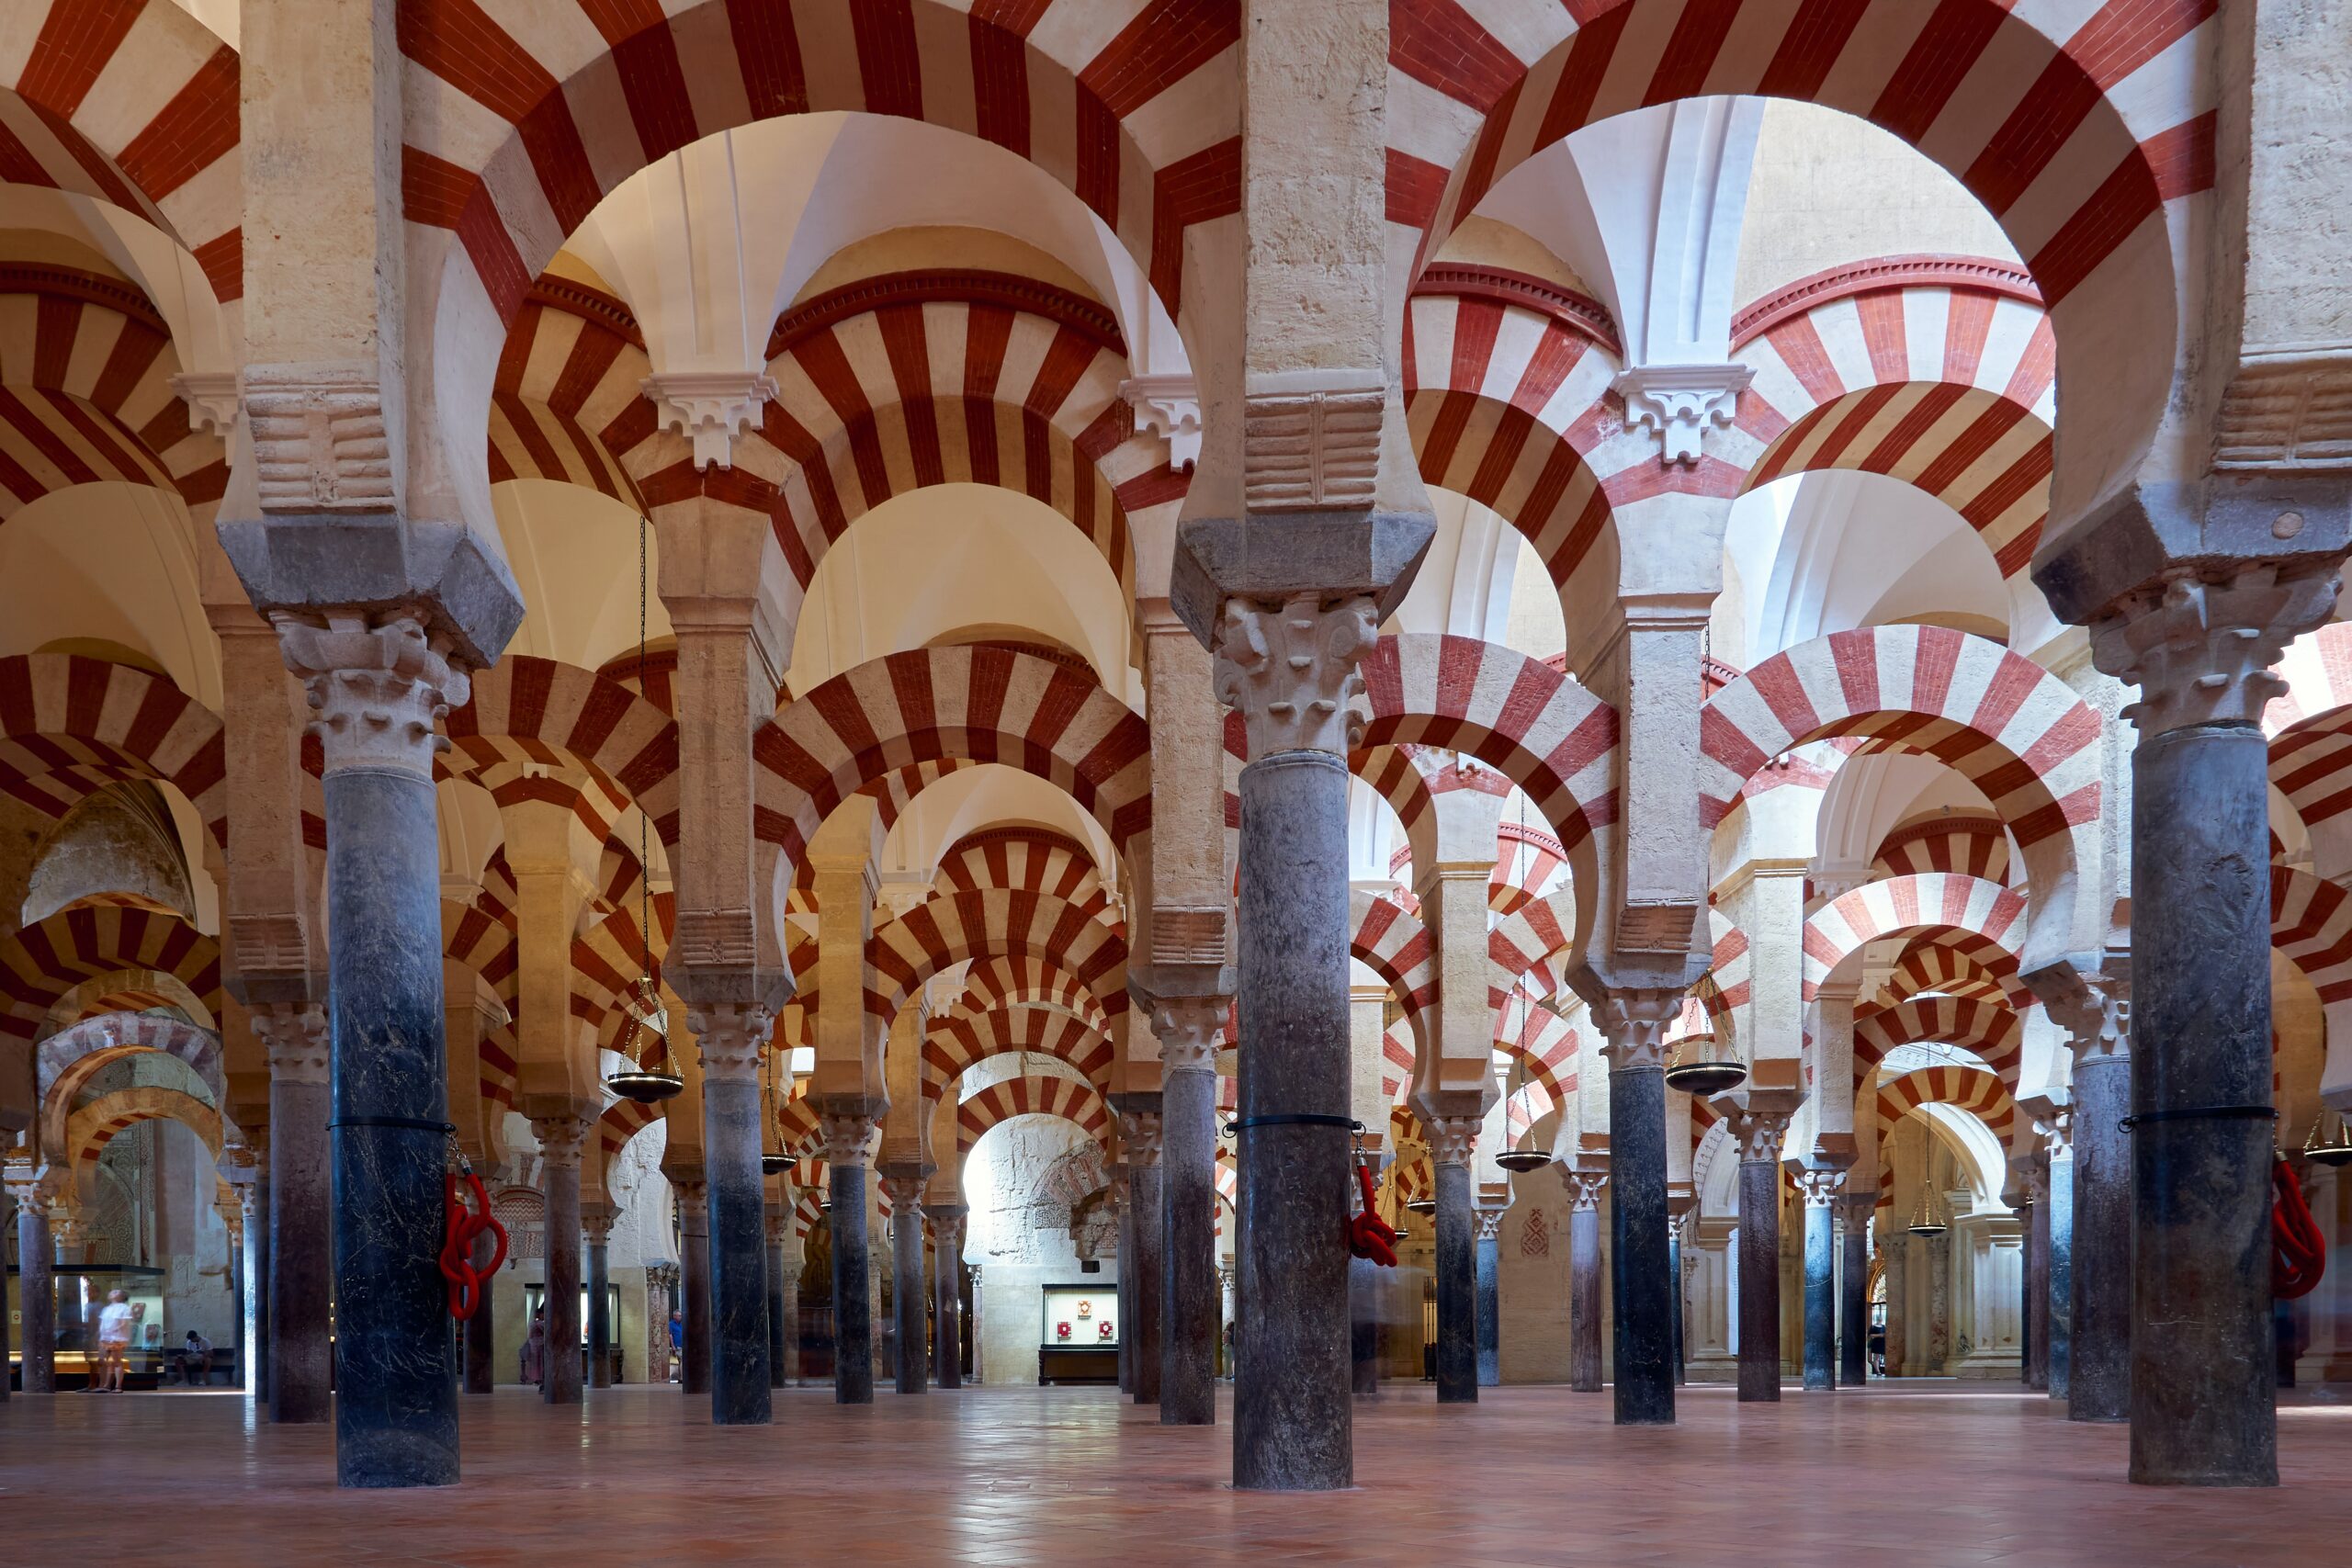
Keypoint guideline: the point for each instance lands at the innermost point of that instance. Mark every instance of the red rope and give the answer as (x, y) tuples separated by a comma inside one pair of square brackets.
[(466, 1225), (2298, 1250), (1369, 1235)]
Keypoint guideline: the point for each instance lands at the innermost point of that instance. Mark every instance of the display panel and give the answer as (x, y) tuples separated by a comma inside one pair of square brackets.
[(1080, 1316)]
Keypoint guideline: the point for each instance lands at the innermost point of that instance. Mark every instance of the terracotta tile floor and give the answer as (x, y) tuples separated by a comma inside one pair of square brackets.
[(1916, 1478)]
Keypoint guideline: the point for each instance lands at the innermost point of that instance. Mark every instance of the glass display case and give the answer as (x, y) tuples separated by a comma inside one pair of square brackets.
[(1079, 1334)]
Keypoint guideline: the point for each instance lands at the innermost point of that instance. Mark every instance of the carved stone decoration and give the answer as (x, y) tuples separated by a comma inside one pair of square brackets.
[(1535, 1235), (849, 1136), (1819, 1186), (295, 1036), (1139, 1142), (1182, 934), (275, 943), (380, 689), (1291, 671), (2057, 1134), (561, 1138), (1187, 1028), (1168, 406), (905, 1192), (596, 1226), (1679, 401), (730, 1037), (320, 440), (710, 407), (1854, 1211), (1489, 1221), (1633, 1025), (721, 940), (1311, 440), (1453, 1139), (212, 400), (2286, 409), (1584, 1188), (2200, 652), (1759, 1134)]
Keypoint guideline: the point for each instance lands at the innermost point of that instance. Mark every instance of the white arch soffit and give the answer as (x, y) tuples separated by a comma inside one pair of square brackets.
[(1979, 1151), (206, 336), (115, 560), (989, 795), (1464, 584), (1872, 794), (573, 554)]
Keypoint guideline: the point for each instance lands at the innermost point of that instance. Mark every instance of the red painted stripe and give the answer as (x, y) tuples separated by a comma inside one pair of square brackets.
[(222, 257), (1816, 35), (77, 37), (457, 41), (437, 192), (890, 66), (2124, 200), (57, 319), (1942, 54), (1165, 42), (1000, 79), (1691, 53), (190, 133), (654, 84), (767, 49), (1439, 45), (1885, 334), (1193, 190)]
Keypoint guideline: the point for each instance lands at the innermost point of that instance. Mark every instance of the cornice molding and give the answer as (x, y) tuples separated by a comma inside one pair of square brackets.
[(89, 287), (1975, 274), (1579, 313), (1029, 295), (592, 304)]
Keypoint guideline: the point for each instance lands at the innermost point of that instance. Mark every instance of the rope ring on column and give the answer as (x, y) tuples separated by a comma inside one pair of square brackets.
[(1293, 1119), (2204, 1112)]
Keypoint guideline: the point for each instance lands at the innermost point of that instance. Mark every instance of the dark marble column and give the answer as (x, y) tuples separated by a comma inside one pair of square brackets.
[(378, 693), (1140, 1144), (596, 1233), (783, 1303), (1490, 1301), (36, 1291), (731, 1036), (1898, 1249), (301, 1374), (560, 1137), (1675, 1301), (1819, 1188), (1584, 1278), (2060, 1264), (849, 1138), (910, 1300), (1757, 1135), (1453, 1139), (255, 1284), (1122, 1214), (2037, 1282), (481, 1329), (1940, 1305), (694, 1285), (1294, 1418), (1190, 1308), (947, 1296), (1644, 1285), (1854, 1211), (1367, 1310), (2098, 1376)]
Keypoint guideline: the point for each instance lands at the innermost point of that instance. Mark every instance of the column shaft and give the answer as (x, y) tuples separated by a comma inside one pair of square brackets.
[(1457, 1285), (1644, 1277), (2060, 1268), (2098, 1377), (947, 1299), (1759, 1279), (779, 1320), (910, 1302), (37, 1295), (1143, 1325), (258, 1337), (2036, 1292), (1490, 1306), (1820, 1297), (560, 1370), (852, 1298), (1189, 1302), (1674, 1304), (600, 1316), (693, 1288), (301, 1375), (481, 1329), (1584, 1296), (731, 1038), (1367, 1287), (1854, 1301)]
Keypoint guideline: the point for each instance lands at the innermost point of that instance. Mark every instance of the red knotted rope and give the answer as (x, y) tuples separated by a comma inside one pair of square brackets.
[(466, 1225), (2298, 1250), (1369, 1235)]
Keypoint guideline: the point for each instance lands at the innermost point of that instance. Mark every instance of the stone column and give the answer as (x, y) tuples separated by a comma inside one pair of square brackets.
[(1854, 1210), (2203, 1394), (596, 1232), (1757, 1134), (1940, 1305), (1898, 1248), (301, 1376), (784, 1289), (481, 1329), (849, 1138), (1122, 1215), (1584, 1278), (380, 687), (947, 1293), (2058, 1133), (1453, 1141), (1190, 1305), (1820, 1187), (255, 1196), (731, 1036), (2099, 1357), (910, 1302), (693, 1285), (36, 1289), (1642, 1272), (2037, 1282), (1675, 1299), (1141, 1139), (1490, 1303), (561, 1138)]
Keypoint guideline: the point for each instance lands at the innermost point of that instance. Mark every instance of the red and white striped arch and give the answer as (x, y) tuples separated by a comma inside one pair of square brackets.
[(1938, 371), (622, 1121), (2311, 923), (42, 963), (1131, 108), (1899, 904), (529, 716), (1991, 1031), (474, 936), (2309, 728), (71, 726), (1958, 964), (999, 1104), (68, 1060), (1529, 864), (2082, 130), (972, 703), (568, 404), (954, 928), (1973, 846), (953, 1045), (1397, 947), (91, 1128), (1972, 1089), (131, 104), (1525, 951), (1019, 979), (1546, 1044), (1033, 858)]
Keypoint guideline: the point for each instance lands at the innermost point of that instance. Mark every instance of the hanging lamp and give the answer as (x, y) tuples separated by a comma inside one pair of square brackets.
[(1702, 1078), (646, 1082), (1523, 1159), (1421, 1205), (1928, 1217), (2335, 1151), (771, 1162)]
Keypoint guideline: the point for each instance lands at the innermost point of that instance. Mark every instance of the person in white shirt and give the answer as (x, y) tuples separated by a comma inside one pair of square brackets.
[(116, 1321)]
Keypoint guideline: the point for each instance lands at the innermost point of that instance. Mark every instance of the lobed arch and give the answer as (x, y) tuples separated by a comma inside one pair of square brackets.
[(2006, 725), (1939, 901), (72, 725), (89, 1130), (41, 963), (1036, 859), (948, 928), (1991, 1031), (529, 716), (954, 1045)]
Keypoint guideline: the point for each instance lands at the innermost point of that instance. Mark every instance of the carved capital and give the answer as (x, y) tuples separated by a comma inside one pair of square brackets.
[(2095, 1015), (693, 1194), (2200, 652), (905, 1192), (1290, 670), (1489, 1220), (1757, 1134), (1679, 403), (710, 407), (2058, 1134), (848, 1135), (596, 1227), (1453, 1139), (379, 685), (295, 1036), (1311, 440), (320, 442), (1633, 1025), (560, 1139), (719, 940), (1585, 1188), (1855, 1209), (730, 1037), (1188, 1028), (212, 398), (1168, 407), (1819, 1186), (1139, 1137)]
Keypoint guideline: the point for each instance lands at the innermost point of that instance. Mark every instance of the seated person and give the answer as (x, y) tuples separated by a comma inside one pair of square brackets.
[(195, 1357)]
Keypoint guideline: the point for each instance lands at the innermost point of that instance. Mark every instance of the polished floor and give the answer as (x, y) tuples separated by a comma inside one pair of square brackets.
[(1919, 1477)]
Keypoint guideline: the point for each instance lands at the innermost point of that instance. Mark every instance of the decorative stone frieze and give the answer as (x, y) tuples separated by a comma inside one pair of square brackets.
[(1633, 1025), (1453, 1139), (849, 1136), (320, 440), (1139, 1142), (710, 407), (1311, 440), (1187, 1028), (561, 1137), (730, 1037), (380, 686), (1679, 401), (2200, 652)]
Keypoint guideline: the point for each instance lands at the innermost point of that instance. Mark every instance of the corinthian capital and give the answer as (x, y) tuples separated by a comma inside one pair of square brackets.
[(847, 1136), (1187, 1028), (1757, 1134), (2200, 652), (561, 1138), (1290, 670), (380, 685), (1819, 1186), (1633, 1025), (294, 1034), (731, 1036), (2096, 1012), (1139, 1137), (1453, 1139), (1584, 1187)]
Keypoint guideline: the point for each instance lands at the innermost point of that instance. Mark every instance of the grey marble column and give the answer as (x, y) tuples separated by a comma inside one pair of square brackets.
[(783, 1313), (849, 1137), (2098, 1377), (36, 1292), (1490, 1302), (2060, 1264), (596, 1233), (1644, 1288), (2037, 1282), (1584, 1278), (1898, 1248), (1141, 1145), (1453, 1140), (1940, 1305), (730, 1037), (694, 1285), (910, 1300), (301, 1374), (1675, 1301), (946, 1293), (1123, 1216), (1758, 1135), (1190, 1308), (560, 1137), (1367, 1310), (481, 1329), (1820, 1187), (255, 1365), (1854, 1211)]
